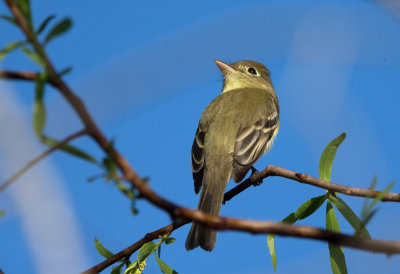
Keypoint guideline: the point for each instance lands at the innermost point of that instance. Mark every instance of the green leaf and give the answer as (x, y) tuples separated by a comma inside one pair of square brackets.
[(338, 261), (350, 216), (109, 162), (159, 252), (61, 27), (365, 204), (128, 192), (45, 23), (367, 218), (117, 269), (326, 161), (271, 248), (34, 56), (134, 265), (164, 267), (9, 19), (380, 196), (134, 210), (101, 249), (168, 240), (39, 110), (69, 149), (309, 207), (305, 210), (145, 251), (25, 8), (290, 219), (10, 47), (2, 213)]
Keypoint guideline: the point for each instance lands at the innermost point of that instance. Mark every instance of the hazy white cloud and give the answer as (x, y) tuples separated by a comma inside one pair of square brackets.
[(42, 203)]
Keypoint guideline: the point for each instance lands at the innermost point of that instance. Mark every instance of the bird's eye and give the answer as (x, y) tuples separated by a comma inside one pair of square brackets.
[(252, 71)]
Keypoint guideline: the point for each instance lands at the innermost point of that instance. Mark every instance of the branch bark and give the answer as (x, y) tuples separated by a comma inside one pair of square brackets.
[(19, 75), (309, 180)]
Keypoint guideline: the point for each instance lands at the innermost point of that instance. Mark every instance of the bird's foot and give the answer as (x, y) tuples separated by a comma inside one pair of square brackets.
[(258, 182)]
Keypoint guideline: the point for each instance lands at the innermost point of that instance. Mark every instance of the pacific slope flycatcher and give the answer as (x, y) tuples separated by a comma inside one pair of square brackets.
[(234, 131)]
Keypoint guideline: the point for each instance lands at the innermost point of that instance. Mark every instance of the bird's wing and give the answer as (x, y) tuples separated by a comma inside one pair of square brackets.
[(253, 141), (198, 159)]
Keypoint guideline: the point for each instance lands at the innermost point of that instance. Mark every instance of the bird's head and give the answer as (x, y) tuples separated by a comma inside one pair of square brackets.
[(244, 74)]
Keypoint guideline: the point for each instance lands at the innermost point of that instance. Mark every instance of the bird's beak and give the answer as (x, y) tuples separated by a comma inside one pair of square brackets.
[(225, 68)]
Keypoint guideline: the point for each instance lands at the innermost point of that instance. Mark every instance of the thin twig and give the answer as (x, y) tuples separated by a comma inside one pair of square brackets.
[(307, 179), (23, 75), (19, 75), (166, 230), (41, 157)]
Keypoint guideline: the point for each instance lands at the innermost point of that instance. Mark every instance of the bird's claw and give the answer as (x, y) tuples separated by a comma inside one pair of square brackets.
[(256, 183)]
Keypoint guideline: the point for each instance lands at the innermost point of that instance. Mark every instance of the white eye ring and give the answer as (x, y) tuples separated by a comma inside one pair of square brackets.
[(252, 71)]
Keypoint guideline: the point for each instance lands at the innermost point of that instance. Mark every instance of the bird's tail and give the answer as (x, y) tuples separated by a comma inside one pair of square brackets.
[(210, 202)]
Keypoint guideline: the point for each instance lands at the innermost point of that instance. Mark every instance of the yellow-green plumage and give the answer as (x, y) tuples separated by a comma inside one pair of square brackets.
[(235, 129)]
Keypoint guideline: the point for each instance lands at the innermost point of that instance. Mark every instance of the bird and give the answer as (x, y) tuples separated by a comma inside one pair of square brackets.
[(234, 131)]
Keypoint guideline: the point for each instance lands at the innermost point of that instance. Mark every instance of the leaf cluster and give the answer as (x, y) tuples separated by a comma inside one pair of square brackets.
[(337, 258), (137, 266)]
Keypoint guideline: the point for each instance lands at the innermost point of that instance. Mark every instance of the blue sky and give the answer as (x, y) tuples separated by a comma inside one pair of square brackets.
[(146, 72)]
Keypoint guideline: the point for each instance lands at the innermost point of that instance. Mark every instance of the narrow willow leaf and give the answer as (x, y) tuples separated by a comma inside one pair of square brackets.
[(2, 213), (326, 161), (290, 219), (44, 24), (69, 149), (39, 110), (101, 249), (368, 218), (9, 48), (9, 19), (305, 210), (350, 216), (60, 28), (271, 248), (34, 56), (380, 196), (309, 207), (338, 261), (145, 251), (164, 267), (365, 204), (24, 6)]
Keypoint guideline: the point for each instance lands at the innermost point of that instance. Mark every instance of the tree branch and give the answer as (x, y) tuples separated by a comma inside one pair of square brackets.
[(41, 157), (257, 227), (19, 75), (309, 180)]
